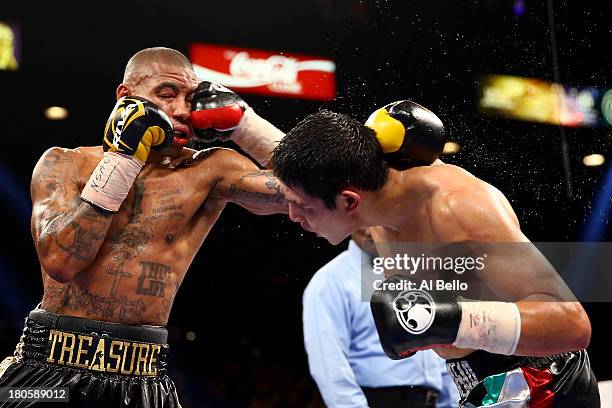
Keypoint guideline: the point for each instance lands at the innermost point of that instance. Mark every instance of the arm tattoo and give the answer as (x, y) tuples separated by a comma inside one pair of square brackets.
[(80, 247), (272, 184), (66, 229), (92, 213), (241, 195), (80, 237)]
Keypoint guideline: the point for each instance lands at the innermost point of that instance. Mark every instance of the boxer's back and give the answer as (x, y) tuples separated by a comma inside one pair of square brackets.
[(150, 243), (447, 189)]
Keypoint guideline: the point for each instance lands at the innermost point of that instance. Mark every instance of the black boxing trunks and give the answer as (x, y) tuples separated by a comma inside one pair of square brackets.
[(493, 380), (99, 364)]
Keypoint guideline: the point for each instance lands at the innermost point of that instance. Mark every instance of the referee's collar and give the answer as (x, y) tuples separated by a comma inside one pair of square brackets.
[(358, 256)]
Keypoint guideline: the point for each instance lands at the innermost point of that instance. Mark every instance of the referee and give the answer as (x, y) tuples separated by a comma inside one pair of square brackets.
[(344, 353)]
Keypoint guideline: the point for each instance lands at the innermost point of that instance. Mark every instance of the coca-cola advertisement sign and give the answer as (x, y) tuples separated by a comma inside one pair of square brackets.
[(265, 72)]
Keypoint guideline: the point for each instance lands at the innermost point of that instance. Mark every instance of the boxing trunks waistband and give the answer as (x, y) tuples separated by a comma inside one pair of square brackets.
[(96, 346), (559, 380)]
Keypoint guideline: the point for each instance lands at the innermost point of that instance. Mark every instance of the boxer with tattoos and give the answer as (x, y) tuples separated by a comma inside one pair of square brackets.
[(116, 227)]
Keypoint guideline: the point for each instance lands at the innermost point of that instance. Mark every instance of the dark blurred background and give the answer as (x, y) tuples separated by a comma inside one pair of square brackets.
[(235, 328)]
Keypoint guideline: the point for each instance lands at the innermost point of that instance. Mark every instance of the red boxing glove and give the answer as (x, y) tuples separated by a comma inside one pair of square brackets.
[(215, 112)]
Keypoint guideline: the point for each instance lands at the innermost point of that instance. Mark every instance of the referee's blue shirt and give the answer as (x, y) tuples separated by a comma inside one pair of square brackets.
[(343, 347)]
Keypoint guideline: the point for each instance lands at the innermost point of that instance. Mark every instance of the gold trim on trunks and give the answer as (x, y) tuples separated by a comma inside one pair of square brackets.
[(6, 363)]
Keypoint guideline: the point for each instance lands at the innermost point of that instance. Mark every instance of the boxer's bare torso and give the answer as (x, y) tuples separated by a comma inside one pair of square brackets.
[(134, 261), (447, 196)]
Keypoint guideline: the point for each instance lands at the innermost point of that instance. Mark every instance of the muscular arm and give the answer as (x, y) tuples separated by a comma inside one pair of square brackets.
[(257, 137), (67, 231), (241, 182), (552, 321)]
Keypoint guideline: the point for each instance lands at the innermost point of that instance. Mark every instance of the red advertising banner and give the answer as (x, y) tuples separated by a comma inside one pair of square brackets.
[(264, 72)]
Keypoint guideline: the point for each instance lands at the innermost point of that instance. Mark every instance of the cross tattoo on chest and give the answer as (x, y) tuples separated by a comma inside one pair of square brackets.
[(117, 275)]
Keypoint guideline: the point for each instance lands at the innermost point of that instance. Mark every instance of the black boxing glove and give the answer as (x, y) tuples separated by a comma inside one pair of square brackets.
[(410, 320), (134, 127), (408, 133), (215, 111)]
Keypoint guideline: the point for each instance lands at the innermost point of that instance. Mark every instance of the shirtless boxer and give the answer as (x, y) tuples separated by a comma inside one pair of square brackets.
[(340, 175), (117, 226)]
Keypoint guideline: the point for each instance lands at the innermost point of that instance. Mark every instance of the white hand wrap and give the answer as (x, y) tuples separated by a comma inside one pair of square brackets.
[(111, 180), (256, 136), (491, 326)]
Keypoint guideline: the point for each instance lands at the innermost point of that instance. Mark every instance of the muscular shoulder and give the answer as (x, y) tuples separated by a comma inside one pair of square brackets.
[(468, 208), (52, 172), (65, 158), (54, 160)]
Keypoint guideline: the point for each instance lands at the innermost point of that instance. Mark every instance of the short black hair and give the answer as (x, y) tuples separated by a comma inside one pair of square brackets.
[(328, 152)]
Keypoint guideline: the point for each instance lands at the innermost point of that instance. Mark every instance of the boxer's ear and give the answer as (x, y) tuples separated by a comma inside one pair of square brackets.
[(122, 90), (348, 201)]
